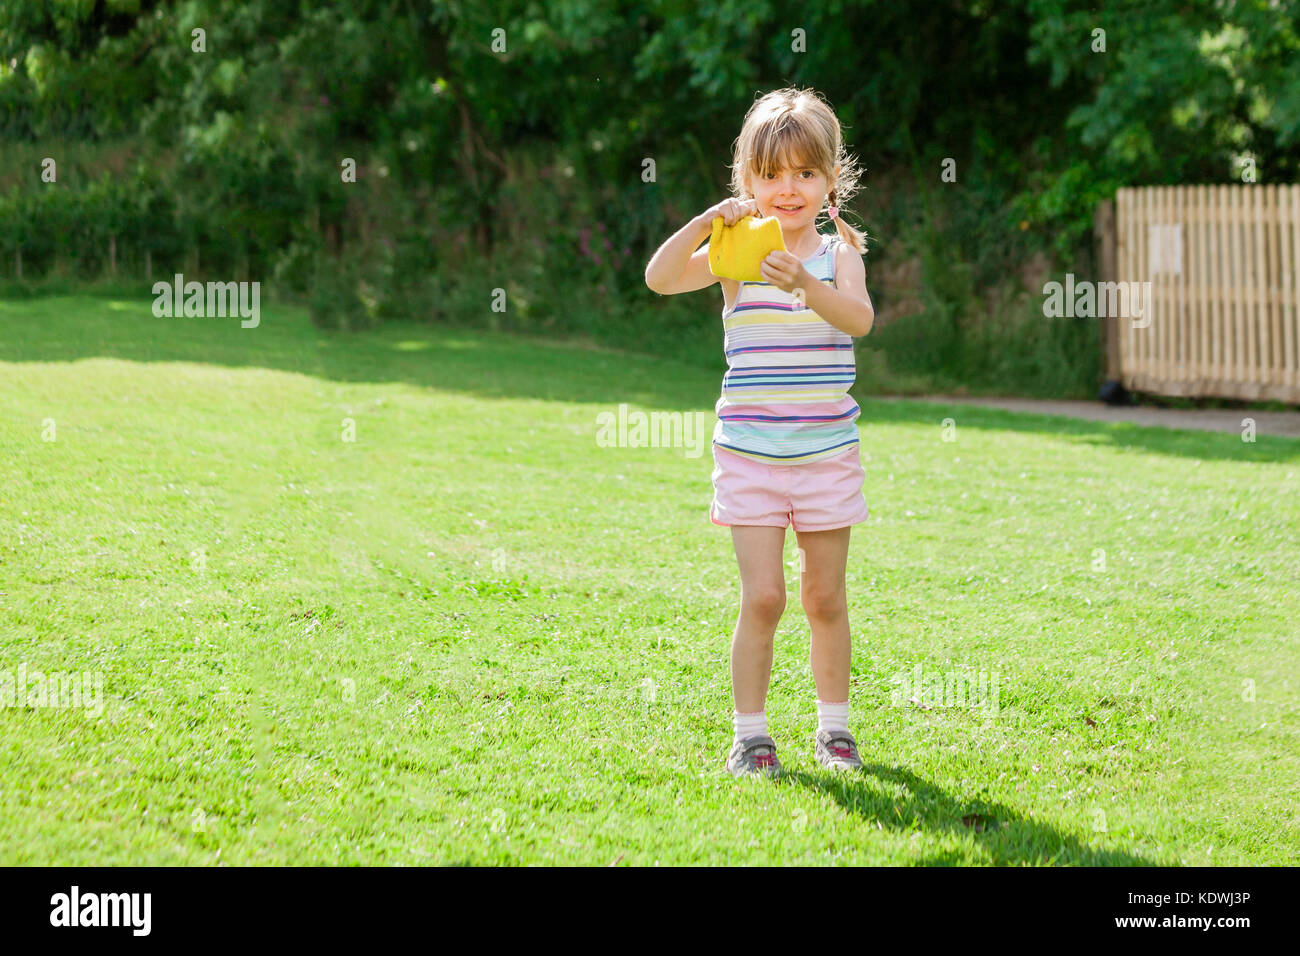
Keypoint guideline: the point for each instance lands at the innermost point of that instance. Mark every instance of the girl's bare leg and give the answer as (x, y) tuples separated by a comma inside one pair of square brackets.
[(762, 602), (825, 601)]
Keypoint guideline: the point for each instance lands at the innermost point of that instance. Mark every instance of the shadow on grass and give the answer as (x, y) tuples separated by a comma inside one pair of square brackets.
[(483, 364), (1008, 837), (469, 361)]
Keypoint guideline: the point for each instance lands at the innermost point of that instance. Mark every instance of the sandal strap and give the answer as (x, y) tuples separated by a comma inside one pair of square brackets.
[(830, 738)]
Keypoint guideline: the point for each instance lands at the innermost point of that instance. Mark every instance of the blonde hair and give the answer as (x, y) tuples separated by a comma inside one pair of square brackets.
[(792, 128)]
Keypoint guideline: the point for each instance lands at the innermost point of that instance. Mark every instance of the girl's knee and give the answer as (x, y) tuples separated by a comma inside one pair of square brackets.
[(766, 602), (823, 603)]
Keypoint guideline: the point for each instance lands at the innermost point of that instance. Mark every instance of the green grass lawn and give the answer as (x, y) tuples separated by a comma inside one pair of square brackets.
[(474, 635)]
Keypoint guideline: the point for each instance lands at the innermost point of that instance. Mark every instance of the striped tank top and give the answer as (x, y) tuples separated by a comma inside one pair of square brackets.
[(785, 394)]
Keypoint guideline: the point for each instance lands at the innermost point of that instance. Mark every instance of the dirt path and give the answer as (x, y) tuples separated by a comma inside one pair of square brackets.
[(1284, 424)]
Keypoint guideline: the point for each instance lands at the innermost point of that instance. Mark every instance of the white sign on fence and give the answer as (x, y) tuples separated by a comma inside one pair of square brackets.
[(1165, 248)]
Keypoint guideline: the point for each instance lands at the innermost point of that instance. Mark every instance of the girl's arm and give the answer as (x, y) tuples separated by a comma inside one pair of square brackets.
[(673, 268), (847, 306)]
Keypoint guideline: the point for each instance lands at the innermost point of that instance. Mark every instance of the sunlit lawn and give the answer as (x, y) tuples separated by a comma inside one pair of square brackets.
[(472, 634)]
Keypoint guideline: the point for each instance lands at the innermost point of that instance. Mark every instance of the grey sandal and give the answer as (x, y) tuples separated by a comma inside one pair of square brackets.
[(754, 755), (837, 750)]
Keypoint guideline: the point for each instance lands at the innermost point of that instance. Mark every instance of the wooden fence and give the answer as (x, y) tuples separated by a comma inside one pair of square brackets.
[(1220, 315)]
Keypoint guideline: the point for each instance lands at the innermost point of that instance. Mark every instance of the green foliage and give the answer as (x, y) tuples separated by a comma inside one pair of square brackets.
[(522, 165), (339, 296), (55, 223)]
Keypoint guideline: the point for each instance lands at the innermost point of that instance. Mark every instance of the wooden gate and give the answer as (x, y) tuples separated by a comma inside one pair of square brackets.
[(1219, 316)]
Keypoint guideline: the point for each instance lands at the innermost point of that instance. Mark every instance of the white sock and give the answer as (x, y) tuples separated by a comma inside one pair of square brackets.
[(832, 716), (748, 725)]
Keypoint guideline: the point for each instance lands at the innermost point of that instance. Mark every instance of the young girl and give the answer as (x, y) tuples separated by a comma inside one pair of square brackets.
[(785, 448)]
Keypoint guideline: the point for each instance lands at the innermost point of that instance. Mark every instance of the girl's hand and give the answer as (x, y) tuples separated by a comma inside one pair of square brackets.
[(784, 271), (731, 211)]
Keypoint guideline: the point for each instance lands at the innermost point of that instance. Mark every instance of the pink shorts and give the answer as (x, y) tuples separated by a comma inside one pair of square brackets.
[(818, 496)]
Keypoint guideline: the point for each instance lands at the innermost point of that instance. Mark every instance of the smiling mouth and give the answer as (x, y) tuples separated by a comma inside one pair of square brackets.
[(788, 208)]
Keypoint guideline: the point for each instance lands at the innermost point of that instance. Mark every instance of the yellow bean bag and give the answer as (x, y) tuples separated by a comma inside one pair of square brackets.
[(735, 252)]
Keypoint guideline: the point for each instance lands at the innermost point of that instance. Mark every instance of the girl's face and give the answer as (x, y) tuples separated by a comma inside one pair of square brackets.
[(794, 196)]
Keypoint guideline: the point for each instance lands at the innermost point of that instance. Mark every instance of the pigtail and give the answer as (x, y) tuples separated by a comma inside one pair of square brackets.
[(854, 237)]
